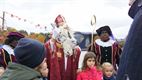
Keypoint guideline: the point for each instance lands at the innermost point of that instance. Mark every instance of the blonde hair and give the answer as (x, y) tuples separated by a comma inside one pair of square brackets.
[(107, 64)]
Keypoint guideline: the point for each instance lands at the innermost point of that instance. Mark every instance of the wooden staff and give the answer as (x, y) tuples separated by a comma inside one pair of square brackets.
[(93, 24)]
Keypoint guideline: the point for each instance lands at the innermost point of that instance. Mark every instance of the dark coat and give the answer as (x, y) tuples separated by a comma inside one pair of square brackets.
[(16, 71), (109, 78), (131, 59)]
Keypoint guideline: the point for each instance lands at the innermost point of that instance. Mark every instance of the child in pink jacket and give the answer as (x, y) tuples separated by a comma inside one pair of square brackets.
[(89, 70)]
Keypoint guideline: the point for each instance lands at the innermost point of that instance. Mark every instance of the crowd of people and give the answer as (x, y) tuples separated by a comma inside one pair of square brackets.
[(58, 58)]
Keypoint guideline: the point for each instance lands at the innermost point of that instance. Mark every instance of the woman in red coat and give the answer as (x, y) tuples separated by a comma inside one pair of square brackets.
[(89, 70)]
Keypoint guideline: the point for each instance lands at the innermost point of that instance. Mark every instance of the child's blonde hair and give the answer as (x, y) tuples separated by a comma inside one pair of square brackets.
[(106, 64)]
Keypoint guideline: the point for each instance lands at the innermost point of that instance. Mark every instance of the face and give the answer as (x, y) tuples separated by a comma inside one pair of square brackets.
[(104, 36), (108, 71), (14, 43), (43, 68), (90, 62)]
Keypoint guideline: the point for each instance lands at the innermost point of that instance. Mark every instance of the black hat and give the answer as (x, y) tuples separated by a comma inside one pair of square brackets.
[(104, 28), (29, 52), (12, 37)]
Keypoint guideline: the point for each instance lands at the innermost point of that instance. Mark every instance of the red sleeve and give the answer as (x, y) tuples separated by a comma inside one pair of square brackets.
[(2, 59)]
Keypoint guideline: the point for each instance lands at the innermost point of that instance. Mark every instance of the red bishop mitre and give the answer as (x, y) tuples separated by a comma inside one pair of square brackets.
[(59, 19)]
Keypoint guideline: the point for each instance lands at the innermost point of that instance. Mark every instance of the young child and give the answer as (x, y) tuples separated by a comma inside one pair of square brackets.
[(108, 71), (30, 55), (44, 71), (89, 70)]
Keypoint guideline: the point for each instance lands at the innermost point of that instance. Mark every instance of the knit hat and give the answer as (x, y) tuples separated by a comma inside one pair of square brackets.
[(16, 34), (29, 52), (104, 28)]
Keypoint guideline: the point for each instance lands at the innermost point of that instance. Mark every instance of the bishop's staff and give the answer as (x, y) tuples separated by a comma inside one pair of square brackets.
[(93, 24)]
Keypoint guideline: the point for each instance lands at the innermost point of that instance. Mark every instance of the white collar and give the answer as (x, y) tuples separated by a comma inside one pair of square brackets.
[(105, 44), (8, 49)]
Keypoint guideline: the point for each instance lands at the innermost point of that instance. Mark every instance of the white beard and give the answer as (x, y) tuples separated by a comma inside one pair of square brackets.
[(68, 43), (68, 50)]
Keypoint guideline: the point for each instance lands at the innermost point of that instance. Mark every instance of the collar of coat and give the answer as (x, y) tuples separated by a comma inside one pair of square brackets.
[(105, 44), (8, 49)]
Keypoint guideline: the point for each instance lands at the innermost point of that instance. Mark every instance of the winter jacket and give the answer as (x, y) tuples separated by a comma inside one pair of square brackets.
[(20, 72), (109, 78), (131, 58), (90, 74)]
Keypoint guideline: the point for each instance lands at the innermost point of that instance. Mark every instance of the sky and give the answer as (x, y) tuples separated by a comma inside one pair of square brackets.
[(78, 14)]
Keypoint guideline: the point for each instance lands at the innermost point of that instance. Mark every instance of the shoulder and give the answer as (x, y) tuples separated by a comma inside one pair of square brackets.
[(116, 44), (78, 48), (82, 73), (98, 70), (48, 42)]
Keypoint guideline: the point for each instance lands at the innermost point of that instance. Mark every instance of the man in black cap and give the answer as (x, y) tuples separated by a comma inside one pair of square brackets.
[(130, 67), (30, 56), (105, 48), (6, 52)]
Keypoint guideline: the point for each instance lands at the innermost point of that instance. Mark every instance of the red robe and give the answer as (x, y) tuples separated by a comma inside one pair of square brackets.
[(5, 58), (56, 64)]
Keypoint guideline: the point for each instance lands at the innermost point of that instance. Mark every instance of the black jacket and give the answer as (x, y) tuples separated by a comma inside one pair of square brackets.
[(131, 59)]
